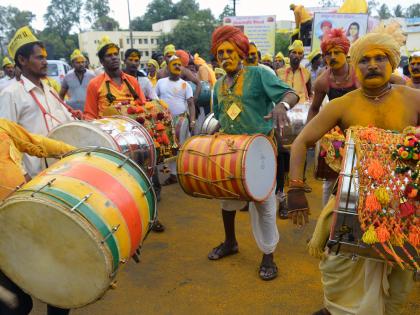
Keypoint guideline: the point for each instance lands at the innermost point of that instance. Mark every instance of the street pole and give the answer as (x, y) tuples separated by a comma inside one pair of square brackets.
[(129, 24)]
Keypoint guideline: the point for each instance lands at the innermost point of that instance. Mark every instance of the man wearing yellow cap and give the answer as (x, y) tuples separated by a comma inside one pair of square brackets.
[(360, 286), (414, 68), (267, 60), (32, 104), (112, 92), (9, 71), (204, 72), (152, 69), (314, 65), (303, 20), (278, 61), (296, 75), (75, 82), (186, 74), (132, 62)]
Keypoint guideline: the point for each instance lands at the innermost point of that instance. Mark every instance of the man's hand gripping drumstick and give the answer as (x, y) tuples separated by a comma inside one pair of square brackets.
[(279, 112)]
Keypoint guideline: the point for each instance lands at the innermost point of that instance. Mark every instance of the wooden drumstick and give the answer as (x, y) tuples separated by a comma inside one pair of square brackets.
[(8, 298)]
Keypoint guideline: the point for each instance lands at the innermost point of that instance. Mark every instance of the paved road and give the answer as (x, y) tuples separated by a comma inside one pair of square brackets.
[(175, 276)]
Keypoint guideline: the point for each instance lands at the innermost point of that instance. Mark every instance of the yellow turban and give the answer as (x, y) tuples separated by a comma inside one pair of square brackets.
[(6, 62), (313, 54), (267, 58), (104, 42), (388, 39), (77, 54), (22, 37), (153, 62), (279, 56), (296, 46), (219, 71), (169, 49)]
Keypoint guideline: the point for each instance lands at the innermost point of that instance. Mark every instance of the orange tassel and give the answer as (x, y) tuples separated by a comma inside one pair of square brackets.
[(375, 169), (382, 233), (372, 204)]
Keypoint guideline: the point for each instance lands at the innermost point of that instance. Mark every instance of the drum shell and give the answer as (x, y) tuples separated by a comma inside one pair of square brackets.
[(297, 116), (63, 249), (119, 133), (215, 167)]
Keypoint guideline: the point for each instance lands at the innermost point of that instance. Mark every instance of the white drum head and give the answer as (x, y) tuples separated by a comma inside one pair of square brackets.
[(82, 134), (63, 263), (260, 168)]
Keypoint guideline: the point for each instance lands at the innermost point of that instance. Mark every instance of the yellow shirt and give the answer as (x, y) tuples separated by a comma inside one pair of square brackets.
[(52, 83), (297, 80), (15, 140), (153, 80), (301, 15)]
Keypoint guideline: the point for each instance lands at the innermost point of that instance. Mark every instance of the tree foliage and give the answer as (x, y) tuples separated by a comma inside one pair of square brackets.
[(157, 10), (105, 23), (11, 19), (398, 11), (282, 43), (227, 11), (372, 5), (384, 12), (192, 34), (413, 11), (62, 16), (96, 9)]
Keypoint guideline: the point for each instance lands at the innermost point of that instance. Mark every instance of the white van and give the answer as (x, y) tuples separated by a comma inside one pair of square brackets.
[(57, 69)]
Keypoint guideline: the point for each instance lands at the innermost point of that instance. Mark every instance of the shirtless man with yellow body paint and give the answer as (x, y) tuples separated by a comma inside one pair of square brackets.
[(362, 286)]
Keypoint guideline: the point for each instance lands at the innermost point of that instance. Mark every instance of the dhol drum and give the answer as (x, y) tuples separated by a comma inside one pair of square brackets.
[(210, 125), (182, 131), (228, 167), (297, 116), (69, 229), (119, 133), (371, 221)]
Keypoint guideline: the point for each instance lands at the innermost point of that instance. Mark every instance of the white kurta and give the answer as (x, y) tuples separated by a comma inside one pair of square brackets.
[(18, 105)]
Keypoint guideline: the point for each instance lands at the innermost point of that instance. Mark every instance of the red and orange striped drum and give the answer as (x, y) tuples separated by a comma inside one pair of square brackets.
[(70, 228), (224, 166)]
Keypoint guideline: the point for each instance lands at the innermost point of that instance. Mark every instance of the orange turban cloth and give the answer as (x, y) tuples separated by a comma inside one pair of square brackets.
[(184, 56), (232, 35), (335, 38)]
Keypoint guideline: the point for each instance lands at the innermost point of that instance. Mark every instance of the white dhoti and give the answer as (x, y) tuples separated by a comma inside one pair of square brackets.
[(263, 221)]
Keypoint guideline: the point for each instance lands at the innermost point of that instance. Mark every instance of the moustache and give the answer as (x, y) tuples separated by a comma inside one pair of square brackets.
[(333, 62)]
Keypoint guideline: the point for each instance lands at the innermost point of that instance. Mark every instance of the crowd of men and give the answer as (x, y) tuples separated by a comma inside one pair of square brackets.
[(356, 79)]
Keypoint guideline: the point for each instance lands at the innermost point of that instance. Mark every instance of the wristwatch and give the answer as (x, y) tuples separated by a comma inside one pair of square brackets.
[(286, 105)]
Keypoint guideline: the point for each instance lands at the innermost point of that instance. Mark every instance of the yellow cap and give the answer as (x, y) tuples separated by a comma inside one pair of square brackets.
[(105, 41), (77, 54), (153, 62), (22, 37), (296, 46), (6, 62), (287, 60), (267, 58), (279, 56), (169, 48), (313, 54)]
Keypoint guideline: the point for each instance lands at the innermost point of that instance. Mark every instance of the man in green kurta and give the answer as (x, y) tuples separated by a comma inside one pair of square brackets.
[(243, 104)]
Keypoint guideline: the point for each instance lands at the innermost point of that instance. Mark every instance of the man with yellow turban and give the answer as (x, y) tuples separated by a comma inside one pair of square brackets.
[(414, 68), (360, 286), (152, 69), (278, 61), (29, 102), (75, 82), (296, 75), (205, 73), (303, 20), (9, 71), (243, 104), (267, 60), (314, 65), (112, 92)]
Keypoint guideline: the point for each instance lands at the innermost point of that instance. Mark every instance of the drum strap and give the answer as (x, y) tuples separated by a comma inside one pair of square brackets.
[(111, 98)]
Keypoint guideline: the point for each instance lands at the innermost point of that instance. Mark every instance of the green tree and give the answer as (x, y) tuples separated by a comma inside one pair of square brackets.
[(227, 11), (56, 47), (186, 8), (157, 10), (96, 9), (62, 16), (413, 11), (192, 33), (372, 5), (282, 43), (384, 12), (11, 19), (105, 23), (398, 11)]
